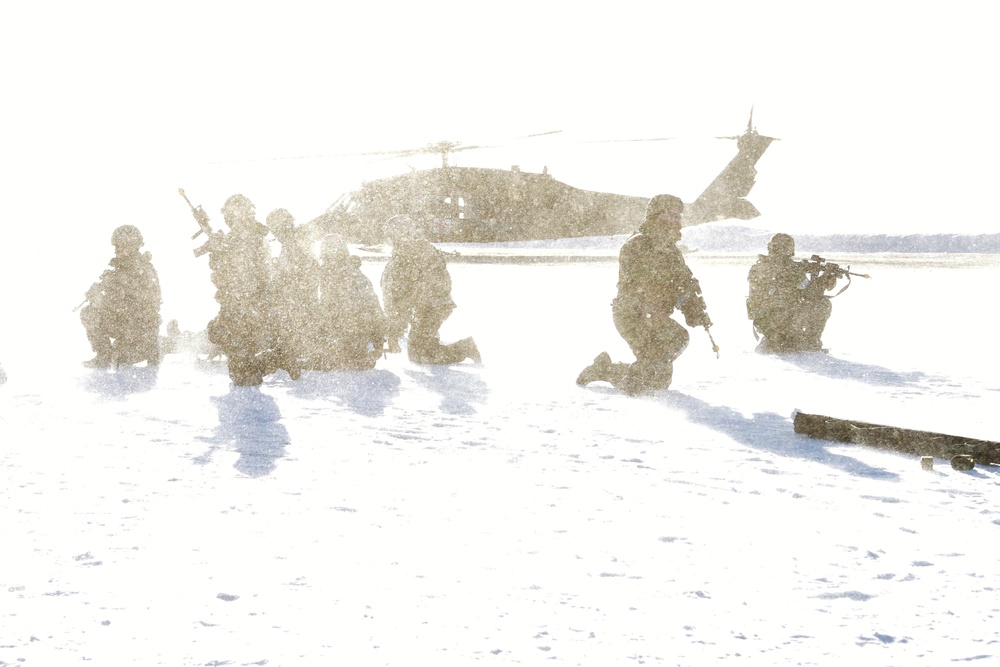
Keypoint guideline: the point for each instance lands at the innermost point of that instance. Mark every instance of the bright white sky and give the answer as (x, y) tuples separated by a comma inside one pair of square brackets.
[(886, 111)]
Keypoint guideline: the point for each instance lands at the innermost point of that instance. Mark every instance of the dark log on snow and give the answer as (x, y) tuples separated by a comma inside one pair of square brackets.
[(907, 441)]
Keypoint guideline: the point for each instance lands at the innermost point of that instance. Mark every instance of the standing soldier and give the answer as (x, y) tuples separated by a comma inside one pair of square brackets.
[(240, 261), (416, 289), (294, 291), (352, 329), (787, 301), (122, 316), (653, 281)]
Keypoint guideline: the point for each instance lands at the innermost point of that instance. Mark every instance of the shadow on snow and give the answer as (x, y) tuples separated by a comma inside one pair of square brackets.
[(120, 383), (841, 369), (249, 423), (770, 432), (459, 388), (364, 392)]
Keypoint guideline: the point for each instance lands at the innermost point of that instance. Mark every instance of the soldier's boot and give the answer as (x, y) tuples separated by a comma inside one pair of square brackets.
[(245, 370), (267, 362), (663, 374), (813, 344), (471, 350), (638, 380), (599, 371), (634, 384), (148, 351), (102, 349), (272, 361), (429, 350), (153, 352), (775, 345), (102, 360)]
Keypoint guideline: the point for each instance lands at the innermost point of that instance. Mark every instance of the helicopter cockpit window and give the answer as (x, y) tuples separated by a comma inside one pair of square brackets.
[(455, 206), (343, 203)]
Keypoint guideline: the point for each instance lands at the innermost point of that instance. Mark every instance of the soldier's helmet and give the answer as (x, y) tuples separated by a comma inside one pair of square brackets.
[(238, 207), (781, 245), (400, 228), (127, 236), (280, 222), (661, 204)]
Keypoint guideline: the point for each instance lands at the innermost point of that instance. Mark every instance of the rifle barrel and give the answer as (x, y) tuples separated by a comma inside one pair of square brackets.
[(715, 347), (181, 191)]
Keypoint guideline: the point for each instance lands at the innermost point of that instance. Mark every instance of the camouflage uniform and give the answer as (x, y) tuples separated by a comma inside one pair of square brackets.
[(122, 317), (653, 281), (416, 289), (294, 292), (787, 304), (353, 328), (240, 262)]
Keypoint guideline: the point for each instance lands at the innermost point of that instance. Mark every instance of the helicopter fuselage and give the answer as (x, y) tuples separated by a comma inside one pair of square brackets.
[(474, 204)]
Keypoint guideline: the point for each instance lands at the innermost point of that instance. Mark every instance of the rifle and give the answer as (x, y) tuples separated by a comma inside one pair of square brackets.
[(829, 267), (817, 265), (204, 227), (695, 304), (93, 295), (715, 347)]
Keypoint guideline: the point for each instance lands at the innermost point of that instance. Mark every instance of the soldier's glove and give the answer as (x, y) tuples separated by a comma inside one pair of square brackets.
[(698, 320)]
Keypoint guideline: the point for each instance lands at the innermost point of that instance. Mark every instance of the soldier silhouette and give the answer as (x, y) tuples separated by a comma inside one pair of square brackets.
[(240, 261), (294, 291), (416, 290), (352, 326), (122, 315), (787, 301), (653, 281)]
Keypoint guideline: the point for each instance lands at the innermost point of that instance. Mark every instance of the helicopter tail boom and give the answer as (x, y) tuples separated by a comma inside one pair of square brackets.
[(725, 197)]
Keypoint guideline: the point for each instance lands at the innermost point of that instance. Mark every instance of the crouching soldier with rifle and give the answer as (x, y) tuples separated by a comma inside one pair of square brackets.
[(653, 281), (240, 261), (788, 302)]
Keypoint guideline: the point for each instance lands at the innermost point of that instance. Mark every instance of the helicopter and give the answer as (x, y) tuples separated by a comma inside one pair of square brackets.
[(484, 205)]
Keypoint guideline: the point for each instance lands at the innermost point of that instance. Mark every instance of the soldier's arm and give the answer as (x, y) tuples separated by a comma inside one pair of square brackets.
[(828, 280), (758, 289), (692, 306), (98, 289)]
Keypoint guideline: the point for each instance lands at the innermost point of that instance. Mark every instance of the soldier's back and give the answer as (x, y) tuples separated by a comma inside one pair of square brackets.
[(652, 270)]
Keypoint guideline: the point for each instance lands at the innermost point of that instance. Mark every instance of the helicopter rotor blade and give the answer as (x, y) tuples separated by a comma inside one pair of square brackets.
[(625, 141), (539, 134), (440, 148), (737, 137), (458, 148)]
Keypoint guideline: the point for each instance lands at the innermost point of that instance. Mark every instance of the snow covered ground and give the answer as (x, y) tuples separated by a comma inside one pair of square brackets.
[(497, 513)]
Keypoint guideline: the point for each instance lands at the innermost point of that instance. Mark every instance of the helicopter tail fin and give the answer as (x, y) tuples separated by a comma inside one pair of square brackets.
[(725, 197)]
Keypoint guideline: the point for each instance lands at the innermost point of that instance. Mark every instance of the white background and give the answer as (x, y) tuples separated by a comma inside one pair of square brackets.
[(886, 110)]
